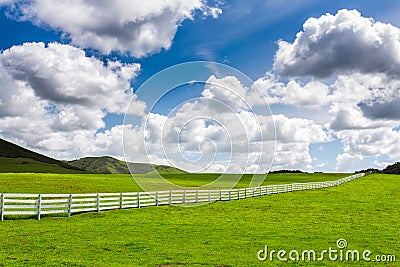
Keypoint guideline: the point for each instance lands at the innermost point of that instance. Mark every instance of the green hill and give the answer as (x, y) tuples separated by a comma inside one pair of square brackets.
[(101, 165), (14, 158), (109, 165), (27, 165)]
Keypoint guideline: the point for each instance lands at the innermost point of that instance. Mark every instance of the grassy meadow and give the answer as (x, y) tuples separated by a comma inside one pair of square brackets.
[(365, 212), (46, 183)]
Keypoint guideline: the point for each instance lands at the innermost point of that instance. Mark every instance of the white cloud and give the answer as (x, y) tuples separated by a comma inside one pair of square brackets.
[(231, 93), (361, 59), (289, 156), (294, 137), (137, 27), (220, 130), (347, 117), (299, 130), (55, 98), (382, 164), (313, 94), (363, 91), (367, 143), (364, 113), (346, 162), (343, 42), (215, 12)]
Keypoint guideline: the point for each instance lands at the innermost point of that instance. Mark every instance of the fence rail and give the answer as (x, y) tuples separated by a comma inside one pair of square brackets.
[(45, 204)]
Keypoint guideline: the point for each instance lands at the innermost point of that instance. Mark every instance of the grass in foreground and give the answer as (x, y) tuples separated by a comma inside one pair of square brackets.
[(365, 212), (94, 183), (44, 183)]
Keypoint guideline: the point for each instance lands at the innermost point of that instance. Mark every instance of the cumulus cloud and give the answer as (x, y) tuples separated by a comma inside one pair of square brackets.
[(63, 74), (290, 156), (347, 117), (199, 138), (347, 162), (337, 43), (294, 137), (364, 115), (349, 66), (137, 27), (389, 110), (367, 143), (221, 131), (298, 130), (361, 101), (195, 144), (55, 98), (361, 58), (313, 94)]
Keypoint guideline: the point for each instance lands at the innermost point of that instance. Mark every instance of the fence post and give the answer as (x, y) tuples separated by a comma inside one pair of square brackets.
[(2, 207), (238, 196), (70, 205), (184, 196), (245, 192), (230, 195), (220, 194), (138, 199), (39, 206), (209, 195), (156, 198), (197, 196), (121, 200), (98, 202), (170, 197)]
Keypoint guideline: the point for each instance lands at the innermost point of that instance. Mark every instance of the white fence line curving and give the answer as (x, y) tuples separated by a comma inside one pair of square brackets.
[(45, 204)]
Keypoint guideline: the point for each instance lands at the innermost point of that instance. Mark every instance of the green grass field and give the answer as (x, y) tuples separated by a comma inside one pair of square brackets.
[(94, 183), (365, 212)]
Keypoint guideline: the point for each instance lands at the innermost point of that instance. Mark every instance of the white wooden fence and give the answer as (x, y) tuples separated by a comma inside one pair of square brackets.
[(44, 204)]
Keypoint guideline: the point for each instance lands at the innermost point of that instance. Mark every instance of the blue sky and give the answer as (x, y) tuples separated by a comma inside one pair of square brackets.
[(332, 101)]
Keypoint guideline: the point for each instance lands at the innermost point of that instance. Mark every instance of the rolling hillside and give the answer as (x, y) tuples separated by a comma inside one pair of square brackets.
[(109, 165), (14, 158)]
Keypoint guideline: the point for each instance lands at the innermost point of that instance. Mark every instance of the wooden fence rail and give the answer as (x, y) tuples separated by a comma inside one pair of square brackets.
[(44, 204)]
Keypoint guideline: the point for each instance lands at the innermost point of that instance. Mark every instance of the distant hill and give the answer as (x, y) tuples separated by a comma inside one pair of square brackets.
[(27, 165), (392, 169), (14, 158), (101, 165), (287, 171), (115, 166)]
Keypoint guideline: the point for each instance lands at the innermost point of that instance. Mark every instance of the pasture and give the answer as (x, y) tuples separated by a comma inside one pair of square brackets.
[(365, 212), (45, 183)]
